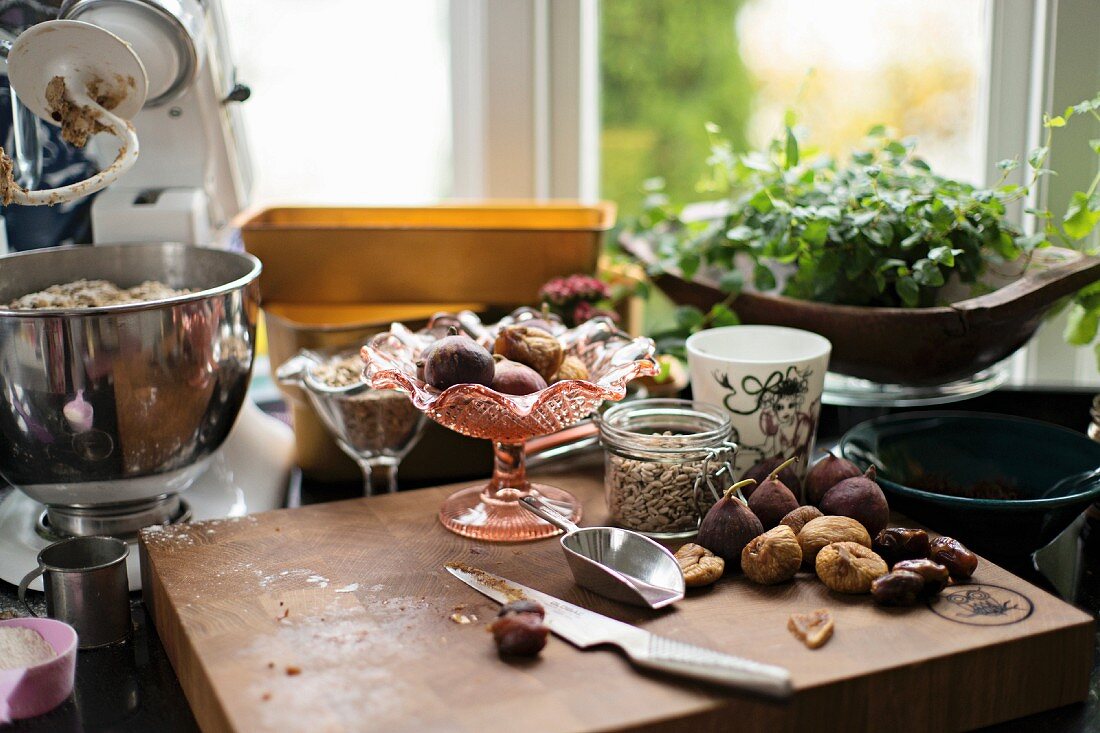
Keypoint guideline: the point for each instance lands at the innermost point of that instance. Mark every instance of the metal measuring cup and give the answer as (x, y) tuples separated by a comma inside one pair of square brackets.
[(86, 587)]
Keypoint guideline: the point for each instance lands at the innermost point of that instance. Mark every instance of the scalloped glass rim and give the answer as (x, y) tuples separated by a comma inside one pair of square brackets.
[(613, 357)]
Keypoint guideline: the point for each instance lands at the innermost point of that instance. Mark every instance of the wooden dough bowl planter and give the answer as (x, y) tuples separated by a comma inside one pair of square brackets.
[(910, 346)]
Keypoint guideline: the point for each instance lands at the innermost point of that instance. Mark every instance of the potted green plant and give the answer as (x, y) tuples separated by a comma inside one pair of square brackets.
[(916, 278)]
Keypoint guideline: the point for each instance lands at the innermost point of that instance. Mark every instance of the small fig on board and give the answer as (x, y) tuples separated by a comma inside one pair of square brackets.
[(729, 526), (773, 557), (772, 500), (763, 469), (514, 378), (825, 474), (861, 499), (458, 359)]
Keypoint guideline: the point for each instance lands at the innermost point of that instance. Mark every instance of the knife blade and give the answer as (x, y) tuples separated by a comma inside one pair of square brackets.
[(584, 629)]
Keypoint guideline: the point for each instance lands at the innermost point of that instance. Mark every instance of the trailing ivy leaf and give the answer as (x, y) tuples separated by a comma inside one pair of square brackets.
[(926, 273), (943, 255), (689, 264), (689, 317), (720, 315), (1026, 244), (1008, 165), (791, 156), (908, 290), (1036, 157), (1082, 325), (895, 148), (763, 278), (876, 131), (761, 201), (1079, 220), (731, 281)]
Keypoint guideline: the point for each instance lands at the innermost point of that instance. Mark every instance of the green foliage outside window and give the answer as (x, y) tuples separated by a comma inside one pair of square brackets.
[(665, 66)]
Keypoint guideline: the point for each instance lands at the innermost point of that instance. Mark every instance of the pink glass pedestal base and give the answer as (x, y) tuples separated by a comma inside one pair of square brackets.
[(496, 516)]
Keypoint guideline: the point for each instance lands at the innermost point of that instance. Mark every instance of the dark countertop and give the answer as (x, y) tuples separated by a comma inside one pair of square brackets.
[(132, 687)]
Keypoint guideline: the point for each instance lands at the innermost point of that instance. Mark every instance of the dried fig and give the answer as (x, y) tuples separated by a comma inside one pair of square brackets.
[(511, 377), (571, 368), (763, 469), (773, 557), (728, 527), (798, 518), (825, 474), (531, 346), (699, 565), (861, 499), (458, 359), (772, 500), (826, 530), (813, 629), (849, 567)]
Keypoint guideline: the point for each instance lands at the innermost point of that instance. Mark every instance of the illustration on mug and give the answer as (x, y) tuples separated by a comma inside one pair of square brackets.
[(787, 424)]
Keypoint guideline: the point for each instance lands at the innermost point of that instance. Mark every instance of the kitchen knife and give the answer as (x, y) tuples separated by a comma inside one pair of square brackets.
[(584, 629)]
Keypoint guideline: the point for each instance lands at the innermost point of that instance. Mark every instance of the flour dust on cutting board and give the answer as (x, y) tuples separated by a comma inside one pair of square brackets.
[(328, 669)]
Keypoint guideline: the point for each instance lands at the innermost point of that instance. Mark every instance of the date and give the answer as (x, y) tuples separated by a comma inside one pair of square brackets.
[(935, 575), (952, 554), (897, 588), (899, 543)]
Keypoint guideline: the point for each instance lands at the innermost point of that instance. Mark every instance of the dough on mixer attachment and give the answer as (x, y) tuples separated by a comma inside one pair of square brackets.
[(8, 186), (79, 122)]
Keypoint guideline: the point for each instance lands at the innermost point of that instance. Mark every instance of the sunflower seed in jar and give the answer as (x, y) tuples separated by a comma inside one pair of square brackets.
[(654, 497)]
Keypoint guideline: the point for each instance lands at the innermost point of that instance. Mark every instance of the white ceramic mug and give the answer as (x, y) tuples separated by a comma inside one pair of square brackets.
[(770, 379)]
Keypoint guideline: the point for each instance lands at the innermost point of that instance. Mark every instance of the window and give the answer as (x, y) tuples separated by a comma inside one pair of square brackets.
[(914, 65), (354, 108)]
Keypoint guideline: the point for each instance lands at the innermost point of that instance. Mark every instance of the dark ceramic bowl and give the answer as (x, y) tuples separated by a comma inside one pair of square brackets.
[(1048, 473)]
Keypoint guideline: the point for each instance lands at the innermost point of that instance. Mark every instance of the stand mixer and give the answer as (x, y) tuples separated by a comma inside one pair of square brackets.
[(192, 176)]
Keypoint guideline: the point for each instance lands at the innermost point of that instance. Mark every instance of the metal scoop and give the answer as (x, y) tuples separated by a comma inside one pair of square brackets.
[(616, 563)]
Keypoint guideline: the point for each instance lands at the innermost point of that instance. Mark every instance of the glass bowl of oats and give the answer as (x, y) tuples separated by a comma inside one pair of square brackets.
[(375, 427)]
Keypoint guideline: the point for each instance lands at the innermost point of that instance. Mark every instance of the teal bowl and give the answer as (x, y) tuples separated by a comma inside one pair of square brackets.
[(1050, 473)]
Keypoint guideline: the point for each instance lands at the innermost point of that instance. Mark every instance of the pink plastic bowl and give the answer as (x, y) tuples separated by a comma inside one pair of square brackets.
[(31, 691)]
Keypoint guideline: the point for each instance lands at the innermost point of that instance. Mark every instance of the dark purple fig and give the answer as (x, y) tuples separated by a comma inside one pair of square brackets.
[(423, 358), (729, 526), (458, 359), (514, 378), (827, 473), (861, 499), (761, 471), (772, 500)]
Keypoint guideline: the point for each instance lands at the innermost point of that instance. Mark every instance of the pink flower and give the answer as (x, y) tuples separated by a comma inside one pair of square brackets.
[(563, 290), (586, 310)]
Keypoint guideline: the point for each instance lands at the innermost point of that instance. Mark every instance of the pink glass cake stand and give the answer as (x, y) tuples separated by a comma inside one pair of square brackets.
[(492, 511)]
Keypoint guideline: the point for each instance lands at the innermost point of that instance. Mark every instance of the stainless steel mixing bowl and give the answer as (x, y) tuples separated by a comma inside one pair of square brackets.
[(107, 413)]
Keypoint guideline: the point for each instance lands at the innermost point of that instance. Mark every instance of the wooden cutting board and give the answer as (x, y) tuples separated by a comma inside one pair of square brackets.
[(339, 617)]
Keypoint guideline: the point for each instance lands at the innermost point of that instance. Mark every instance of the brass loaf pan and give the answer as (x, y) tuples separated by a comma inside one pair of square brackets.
[(335, 276)]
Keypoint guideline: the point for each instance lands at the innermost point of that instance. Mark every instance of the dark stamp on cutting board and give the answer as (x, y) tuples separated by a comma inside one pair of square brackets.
[(981, 604)]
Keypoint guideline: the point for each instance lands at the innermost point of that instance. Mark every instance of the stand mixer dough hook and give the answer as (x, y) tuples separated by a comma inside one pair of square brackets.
[(79, 63)]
